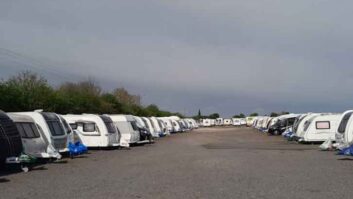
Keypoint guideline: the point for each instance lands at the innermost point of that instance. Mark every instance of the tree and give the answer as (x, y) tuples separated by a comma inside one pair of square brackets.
[(241, 115), (110, 104), (273, 114), (81, 97), (254, 114), (214, 116), (125, 97), (26, 91)]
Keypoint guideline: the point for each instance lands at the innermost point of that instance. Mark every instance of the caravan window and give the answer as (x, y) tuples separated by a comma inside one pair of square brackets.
[(73, 126), (323, 125), (291, 121), (307, 124), (134, 126), (146, 123), (27, 130), (89, 127), (111, 127), (344, 122), (55, 128), (66, 126)]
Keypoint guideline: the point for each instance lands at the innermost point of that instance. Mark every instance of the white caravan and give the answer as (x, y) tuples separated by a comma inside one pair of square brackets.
[(320, 128), (94, 130), (189, 123), (265, 122), (168, 123), (242, 121), (249, 121), (140, 122), (150, 127), (299, 127), (163, 127), (145, 134), (195, 123), (228, 122), (52, 128), (33, 139), (219, 122), (206, 122), (176, 126), (236, 122), (213, 122), (344, 132), (129, 132), (259, 122), (157, 126)]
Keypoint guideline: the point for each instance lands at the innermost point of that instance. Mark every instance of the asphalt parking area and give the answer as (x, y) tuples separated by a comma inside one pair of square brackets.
[(205, 163)]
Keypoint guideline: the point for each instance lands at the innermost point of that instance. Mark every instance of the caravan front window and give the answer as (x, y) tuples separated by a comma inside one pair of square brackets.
[(307, 124), (66, 126), (134, 126), (344, 122), (55, 128), (296, 124), (111, 127), (291, 121), (146, 123), (27, 130)]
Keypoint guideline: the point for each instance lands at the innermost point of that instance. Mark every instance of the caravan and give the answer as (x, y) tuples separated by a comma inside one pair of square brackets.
[(176, 126), (228, 122), (344, 132), (157, 127), (10, 140), (94, 130), (150, 127), (206, 122), (163, 127), (219, 122), (281, 124), (145, 134), (129, 132), (300, 124), (34, 142), (236, 121), (320, 128), (52, 128), (168, 123), (249, 121)]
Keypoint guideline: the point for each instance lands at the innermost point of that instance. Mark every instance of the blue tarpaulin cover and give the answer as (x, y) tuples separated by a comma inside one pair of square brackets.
[(77, 149)]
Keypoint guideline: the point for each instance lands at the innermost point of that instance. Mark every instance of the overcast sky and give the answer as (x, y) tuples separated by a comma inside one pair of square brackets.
[(226, 56)]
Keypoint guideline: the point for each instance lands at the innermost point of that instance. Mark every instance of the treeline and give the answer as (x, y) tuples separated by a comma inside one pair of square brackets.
[(27, 91)]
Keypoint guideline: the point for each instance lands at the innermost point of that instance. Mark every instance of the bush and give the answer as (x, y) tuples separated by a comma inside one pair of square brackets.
[(28, 91)]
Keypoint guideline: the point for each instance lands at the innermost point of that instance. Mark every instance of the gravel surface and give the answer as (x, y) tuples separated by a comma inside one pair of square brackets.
[(205, 163)]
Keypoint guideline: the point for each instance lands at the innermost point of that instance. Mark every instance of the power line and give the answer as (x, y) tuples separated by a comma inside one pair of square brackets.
[(38, 64)]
